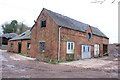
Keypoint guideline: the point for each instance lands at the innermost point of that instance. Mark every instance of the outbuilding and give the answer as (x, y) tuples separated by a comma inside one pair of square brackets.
[(20, 43), (58, 37), (4, 39)]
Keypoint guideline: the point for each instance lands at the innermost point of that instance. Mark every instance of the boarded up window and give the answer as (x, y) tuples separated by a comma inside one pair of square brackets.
[(42, 46)]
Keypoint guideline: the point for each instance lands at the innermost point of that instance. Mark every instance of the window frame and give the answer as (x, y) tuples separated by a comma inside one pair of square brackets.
[(70, 49), (11, 45), (43, 23), (89, 36), (43, 49), (28, 47)]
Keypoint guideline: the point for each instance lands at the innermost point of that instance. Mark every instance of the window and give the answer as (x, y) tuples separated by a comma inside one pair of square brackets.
[(70, 47), (28, 45), (83, 48), (11, 45), (43, 23), (88, 49), (42, 46), (89, 36)]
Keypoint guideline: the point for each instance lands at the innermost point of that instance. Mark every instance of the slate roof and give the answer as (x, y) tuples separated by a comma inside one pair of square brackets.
[(70, 23), (25, 35), (9, 35)]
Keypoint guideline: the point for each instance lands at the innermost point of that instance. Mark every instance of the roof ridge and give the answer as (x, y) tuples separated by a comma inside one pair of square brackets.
[(71, 23), (65, 16), (24, 35)]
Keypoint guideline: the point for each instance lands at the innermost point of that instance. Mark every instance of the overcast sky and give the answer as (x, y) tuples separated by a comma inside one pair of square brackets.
[(103, 16)]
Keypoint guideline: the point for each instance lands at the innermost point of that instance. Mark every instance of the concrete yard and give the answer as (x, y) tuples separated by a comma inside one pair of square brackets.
[(17, 66)]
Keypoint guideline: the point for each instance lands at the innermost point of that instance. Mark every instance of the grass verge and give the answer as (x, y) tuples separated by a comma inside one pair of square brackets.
[(55, 62)]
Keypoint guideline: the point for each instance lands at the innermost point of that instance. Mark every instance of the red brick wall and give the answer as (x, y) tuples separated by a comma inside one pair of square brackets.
[(49, 34), (80, 38), (15, 46), (24, 49), (33, 50)]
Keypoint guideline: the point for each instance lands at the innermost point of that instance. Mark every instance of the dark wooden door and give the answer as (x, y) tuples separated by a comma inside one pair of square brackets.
[(19, 47)]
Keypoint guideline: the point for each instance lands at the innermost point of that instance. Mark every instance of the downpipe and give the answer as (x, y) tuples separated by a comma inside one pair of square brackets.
[(59, 44)]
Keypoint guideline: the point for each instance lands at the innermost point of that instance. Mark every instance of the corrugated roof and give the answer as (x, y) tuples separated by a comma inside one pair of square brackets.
[(9, 35), (23, 36), (67, 22)]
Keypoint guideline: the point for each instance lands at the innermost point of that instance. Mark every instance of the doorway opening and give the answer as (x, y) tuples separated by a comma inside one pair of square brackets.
[(105, 49), (19, 47)]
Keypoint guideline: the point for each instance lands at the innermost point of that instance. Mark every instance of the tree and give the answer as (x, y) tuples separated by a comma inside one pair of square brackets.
[(14, 27), (10, 28), (21, 28), (7, 28)]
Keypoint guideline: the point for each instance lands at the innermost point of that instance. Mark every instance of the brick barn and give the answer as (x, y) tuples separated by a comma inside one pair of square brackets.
[(20, 43), (58, 37)]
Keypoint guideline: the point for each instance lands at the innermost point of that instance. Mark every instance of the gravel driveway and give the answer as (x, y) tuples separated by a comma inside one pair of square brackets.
[(17, 66)]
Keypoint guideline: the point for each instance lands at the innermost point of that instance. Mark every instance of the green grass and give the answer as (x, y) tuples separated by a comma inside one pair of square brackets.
[(23, 54), (55, 62), (47, 61)]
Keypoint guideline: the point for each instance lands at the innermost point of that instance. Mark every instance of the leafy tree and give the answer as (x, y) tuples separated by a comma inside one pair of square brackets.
[(14, 27), (7, 28), (21, 28)]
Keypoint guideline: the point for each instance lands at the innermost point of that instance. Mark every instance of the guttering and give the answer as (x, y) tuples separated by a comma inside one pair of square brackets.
[(59, 43)]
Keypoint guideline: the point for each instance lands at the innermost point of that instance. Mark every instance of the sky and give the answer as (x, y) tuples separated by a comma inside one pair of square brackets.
[(103, 16)]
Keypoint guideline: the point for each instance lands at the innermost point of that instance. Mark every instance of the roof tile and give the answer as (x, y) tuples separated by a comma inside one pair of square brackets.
[(67, 22)]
